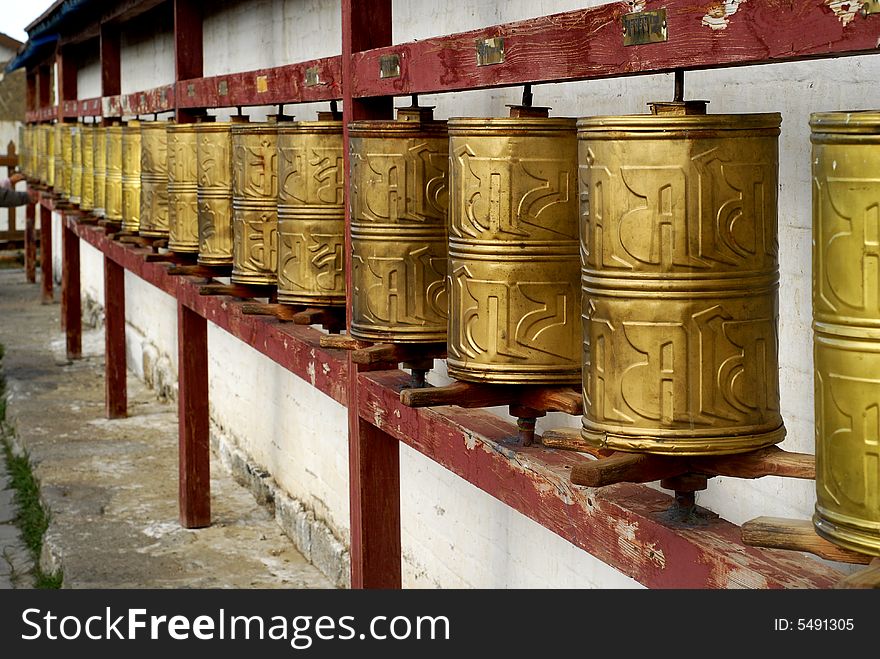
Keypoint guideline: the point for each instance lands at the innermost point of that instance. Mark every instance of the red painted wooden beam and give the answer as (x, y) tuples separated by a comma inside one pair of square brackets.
[(89, 107), (46, 254), (621, 525), (588, 43), (30, 243), (111, 62), (315, 80), (70, 277), (115, 386), (294, 347)]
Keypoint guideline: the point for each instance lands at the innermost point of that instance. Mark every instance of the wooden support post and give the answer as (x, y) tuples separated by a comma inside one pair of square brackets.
[(111, 69), (70, 287), (115, 387), (188, 55), (192, 399), (374, 469), (30, 243), (46, 254)]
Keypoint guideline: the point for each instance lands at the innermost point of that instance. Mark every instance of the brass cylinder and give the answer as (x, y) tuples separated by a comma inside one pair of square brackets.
[(513, 251), (214, 155), (399, 202), (76, 167), (154, 179), (680, 279), (255, 203), (846, 324), (131, 176), (66, 139), (87, 195), (53, 166), (113, 187), (100, 169), (311, 214), (183, 182)]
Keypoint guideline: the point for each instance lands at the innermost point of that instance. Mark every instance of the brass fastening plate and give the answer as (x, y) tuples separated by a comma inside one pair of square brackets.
[(389, 66), (490, 51), (311, 77), (644, 27)]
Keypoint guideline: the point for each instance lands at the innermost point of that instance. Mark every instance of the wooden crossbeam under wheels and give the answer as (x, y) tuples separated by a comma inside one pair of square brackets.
[(799, 535), (331, 318), (237, 290)]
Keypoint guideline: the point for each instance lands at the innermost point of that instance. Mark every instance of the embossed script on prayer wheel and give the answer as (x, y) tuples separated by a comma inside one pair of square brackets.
[(398, 228), (183, 186), (513, 251), (311, 213), (131, 176), (680, 279), (87, 195), (846, 323), (255, 203), (100, 166), (154, 179), (113, 188), (214, 155), (76, 166)]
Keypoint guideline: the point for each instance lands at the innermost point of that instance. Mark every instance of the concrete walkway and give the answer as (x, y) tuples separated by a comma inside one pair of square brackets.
[(111, 486), (15, 559)]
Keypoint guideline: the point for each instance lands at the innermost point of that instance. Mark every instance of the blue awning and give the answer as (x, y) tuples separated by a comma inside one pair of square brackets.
[(43, 35)]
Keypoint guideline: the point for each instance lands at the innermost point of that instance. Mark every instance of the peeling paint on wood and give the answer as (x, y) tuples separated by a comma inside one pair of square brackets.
[(845, 10), (718, 16)]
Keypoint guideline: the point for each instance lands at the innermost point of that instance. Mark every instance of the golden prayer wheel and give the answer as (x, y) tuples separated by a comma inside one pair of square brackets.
[(76, 167), (846, 324), (255, 203), (214, 153), (680, 280), (26, 154), (87, 195), (131, 176), (66, 160), (154, 179), (113, 187), (398, 228), (183, 182), (52, 164), (100, 168), (513, 250), (311, 213)]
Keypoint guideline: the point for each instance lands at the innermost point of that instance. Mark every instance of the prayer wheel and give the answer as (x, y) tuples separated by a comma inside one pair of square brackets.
[(66, 141), (131, 177), (311, 213), (680, 280), (214, 155), (76, 164), (51, 155), (113, 187), (513, 249), (846, 324), (398, 228), (154, 179), (87, 195), (100, 167), (255, 203), (26, 149), (183, 214)]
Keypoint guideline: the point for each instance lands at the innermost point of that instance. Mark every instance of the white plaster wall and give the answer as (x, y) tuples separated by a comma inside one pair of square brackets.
[(91, 273), (291, 429), (298, 434), (56, 250), (88, 76), (146, 51), (151, 333)]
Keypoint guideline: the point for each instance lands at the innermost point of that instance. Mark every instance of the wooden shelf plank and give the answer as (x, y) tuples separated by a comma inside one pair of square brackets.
[(622, 525), (588, 43), (314, 80)]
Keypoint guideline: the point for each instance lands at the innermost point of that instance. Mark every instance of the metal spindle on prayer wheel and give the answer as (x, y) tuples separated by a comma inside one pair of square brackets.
[(513, 249), (87, 194), (154, 179), (846, 324), (214, 155), (680, 279), (183, 182), (131, 177), (255, 202), (113, 187), (311, 213)]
